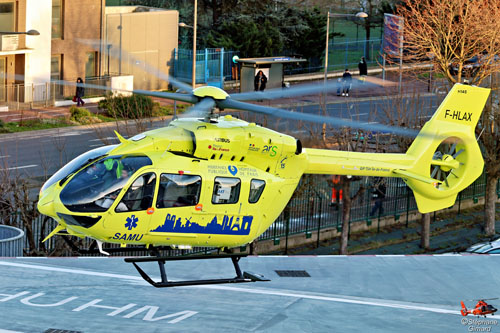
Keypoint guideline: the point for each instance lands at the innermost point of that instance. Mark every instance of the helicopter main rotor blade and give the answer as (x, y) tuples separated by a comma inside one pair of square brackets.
[(119, 53), (175, 96), (200, 109), (334, 121), (299, 90)]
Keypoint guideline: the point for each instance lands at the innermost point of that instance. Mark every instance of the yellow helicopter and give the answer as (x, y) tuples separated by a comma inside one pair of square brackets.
[(221, 182)]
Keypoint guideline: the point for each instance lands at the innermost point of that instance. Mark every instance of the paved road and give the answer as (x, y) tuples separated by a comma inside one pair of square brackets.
[(343, 294), (41, 153)]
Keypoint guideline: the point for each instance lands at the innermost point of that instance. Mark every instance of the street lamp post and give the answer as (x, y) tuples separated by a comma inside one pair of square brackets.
[(29, 33), (184, 25), (359, 15)]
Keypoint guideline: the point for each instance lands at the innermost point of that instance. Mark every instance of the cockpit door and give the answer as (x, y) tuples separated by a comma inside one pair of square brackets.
[(131, 216)]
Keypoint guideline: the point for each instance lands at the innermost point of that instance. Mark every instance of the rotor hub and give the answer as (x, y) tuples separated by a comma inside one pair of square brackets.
[(209, 91), (445, 163), (450, 163)]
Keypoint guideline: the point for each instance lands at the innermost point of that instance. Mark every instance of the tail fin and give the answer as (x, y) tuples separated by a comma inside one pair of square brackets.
[(464, 309), (446, 153)]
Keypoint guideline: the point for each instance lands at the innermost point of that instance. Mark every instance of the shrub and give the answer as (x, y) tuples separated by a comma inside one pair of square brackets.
[(82, 116), (3, 128), (127, 107)]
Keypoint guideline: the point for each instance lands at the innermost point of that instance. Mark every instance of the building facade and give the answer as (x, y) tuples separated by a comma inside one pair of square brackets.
[(81, 38), (27, 63), (140, 41), (76, 32)]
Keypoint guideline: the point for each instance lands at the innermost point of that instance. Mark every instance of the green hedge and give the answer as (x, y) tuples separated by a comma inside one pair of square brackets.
[(127, 107)]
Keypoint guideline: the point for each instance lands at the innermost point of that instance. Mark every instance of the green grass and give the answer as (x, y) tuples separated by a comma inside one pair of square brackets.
[(36, 124), (351, 31), (40, 124), (115, 2), (435, 75)]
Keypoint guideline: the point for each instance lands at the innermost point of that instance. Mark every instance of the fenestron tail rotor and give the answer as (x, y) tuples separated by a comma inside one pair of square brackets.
[(446, 163)]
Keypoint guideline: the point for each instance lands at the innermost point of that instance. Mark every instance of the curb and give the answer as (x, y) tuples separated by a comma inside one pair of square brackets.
[(71, 103)]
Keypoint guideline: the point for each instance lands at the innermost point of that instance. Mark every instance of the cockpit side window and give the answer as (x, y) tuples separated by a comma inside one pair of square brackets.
[(77, 163), (96, 187), (178, 190), (140, 194)]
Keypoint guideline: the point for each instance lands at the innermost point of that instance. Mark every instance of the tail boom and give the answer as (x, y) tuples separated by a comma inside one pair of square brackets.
[(453, 124)]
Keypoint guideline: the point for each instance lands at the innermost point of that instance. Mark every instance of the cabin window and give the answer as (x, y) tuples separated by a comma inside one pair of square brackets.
[(256, 189), (139, 196), (178, 190), (226, 190)]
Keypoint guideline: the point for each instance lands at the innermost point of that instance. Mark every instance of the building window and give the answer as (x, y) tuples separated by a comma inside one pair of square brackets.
[(7, 16), (3, 77), (56, 74), (57, 19), (91, 65), (55, 68)]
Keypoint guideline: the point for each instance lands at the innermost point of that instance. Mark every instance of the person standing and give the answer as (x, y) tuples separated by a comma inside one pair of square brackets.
[(260, 81), (346, 82), (363, 67), (336, 186), (379, 196), (80, 92)]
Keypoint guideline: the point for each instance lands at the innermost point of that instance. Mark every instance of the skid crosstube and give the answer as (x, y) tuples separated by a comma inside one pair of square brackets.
[(241, 277)]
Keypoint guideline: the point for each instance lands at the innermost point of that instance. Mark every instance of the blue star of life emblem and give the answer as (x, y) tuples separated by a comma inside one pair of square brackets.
[(131, 222)]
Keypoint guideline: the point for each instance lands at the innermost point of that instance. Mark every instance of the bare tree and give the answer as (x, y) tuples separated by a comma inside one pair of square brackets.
[(488, 131), (345, 140), (410, 115), (458, 36), (462, 38)]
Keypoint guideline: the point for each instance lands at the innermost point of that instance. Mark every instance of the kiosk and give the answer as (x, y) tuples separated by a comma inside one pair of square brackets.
[(272, 67)]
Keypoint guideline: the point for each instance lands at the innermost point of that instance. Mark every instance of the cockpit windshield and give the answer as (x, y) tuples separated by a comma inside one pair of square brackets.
[(95, 188), (77, 163)]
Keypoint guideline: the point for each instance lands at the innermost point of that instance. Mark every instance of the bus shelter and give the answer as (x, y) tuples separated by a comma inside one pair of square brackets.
[(272, 67)]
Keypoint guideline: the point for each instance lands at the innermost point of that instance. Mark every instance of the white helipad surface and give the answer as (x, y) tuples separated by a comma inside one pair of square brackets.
[(342, 294)]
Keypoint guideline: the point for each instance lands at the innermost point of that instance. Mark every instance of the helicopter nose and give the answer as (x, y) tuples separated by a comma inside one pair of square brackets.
[(45, 205)]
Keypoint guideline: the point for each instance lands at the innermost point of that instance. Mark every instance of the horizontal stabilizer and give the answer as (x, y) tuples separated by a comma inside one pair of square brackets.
[(416, 176)]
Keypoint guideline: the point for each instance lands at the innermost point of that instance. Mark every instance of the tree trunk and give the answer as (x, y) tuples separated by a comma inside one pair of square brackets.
[(490, 206), (346, 216), (426, 231), (367, 43)]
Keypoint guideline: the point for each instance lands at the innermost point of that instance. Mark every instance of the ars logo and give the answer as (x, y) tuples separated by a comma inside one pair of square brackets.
[(131, 222)]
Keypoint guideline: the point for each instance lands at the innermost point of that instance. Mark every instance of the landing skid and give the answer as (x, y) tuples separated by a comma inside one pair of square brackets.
[(164, 283)]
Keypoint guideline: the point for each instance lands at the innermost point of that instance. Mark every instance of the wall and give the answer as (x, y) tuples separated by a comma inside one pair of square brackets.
[(82, 22), (37, 62), (143, 47)]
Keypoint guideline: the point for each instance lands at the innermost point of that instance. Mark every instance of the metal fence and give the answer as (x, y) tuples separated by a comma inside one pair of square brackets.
[(342, 55), (313, 211), (213, 66), (306, 213), (11, 241), (36, 95)]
